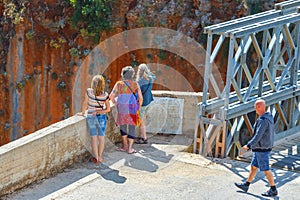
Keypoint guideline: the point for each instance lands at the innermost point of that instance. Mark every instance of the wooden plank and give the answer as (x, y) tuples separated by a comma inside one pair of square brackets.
[(281, 114), (211, 140), (256, 46), (237, 90), (289, 37), (248, 124), (196, 133)]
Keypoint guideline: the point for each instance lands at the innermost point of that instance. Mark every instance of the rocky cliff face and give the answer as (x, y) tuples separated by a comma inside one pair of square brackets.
[(41, 53)]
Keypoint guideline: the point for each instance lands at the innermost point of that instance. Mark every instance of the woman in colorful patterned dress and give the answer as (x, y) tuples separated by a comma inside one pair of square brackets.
[(128, 102)]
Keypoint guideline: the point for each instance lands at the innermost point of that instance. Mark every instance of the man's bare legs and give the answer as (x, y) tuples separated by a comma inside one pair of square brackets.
[(270, 177), (268, 174), (252, 174)]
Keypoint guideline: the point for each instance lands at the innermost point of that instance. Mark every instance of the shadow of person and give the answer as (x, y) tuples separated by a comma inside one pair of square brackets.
[(240, 168), (143, 164), (156, 154), (112, 175), (145, 158), (254, 195), (105, 171)]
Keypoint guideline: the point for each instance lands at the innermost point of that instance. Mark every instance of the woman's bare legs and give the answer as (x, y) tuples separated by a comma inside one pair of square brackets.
[(131, 136), (95, 146), (143, 129), (124, 142), (100, 148), (130, 143)]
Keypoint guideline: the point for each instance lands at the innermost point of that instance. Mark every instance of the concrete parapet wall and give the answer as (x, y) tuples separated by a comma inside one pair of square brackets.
[(40, 154), (51, 149)]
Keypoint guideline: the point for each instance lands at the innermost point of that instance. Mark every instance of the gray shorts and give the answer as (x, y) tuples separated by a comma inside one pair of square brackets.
[(143, 111)]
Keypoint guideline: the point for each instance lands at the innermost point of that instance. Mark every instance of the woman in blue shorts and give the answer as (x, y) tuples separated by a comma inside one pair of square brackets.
[(97, 102)]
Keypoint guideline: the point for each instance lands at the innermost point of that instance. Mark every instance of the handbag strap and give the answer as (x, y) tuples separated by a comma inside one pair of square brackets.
[(101, 106), (130, 90)]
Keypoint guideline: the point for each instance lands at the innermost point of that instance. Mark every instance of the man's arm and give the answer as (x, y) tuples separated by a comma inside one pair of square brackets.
[(260, 129)]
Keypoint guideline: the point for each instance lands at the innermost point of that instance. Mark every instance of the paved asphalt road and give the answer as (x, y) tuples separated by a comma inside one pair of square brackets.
[(160, 170)]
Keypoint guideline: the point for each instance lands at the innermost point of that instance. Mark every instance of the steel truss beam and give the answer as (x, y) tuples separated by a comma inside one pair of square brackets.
[(274, 38)]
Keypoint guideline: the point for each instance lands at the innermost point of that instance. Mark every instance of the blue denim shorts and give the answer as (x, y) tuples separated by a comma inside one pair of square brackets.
[(261, 160), (96, 124)]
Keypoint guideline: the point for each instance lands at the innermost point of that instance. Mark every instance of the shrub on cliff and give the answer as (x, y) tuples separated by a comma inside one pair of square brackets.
[(91, 16)]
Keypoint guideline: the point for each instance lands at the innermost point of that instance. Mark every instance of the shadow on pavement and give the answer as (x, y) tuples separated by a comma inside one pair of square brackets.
[(112, 175), (240, 168), (254, 195)]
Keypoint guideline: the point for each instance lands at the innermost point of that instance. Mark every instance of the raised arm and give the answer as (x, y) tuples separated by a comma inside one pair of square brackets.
[(114, 93)]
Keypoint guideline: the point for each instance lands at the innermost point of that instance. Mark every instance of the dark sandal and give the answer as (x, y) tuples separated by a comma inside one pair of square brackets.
[(141, 141)]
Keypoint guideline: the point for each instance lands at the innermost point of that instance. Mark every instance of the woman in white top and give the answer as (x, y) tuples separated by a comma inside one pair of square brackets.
[(145, 80)]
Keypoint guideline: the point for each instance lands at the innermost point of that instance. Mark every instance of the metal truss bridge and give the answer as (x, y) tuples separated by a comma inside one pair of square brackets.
[(263, 62)]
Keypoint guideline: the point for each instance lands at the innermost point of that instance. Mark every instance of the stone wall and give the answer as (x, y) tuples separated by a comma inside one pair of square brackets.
[(190, 107)]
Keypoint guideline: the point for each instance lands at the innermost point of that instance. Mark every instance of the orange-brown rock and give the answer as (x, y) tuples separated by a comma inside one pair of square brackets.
[(37, 71)]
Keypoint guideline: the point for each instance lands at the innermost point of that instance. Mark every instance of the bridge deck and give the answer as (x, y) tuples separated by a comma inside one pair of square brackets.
[(285, 155)]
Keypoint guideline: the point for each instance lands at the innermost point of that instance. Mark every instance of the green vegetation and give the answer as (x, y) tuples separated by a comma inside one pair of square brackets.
[(91, 16), (162, 55), (149, 56), (29, 35), (14, 11), (74, 52), (54, 44), (20, 85), (134, 63), (254, 6), (7, 126), (54, 75), (61, 85)]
